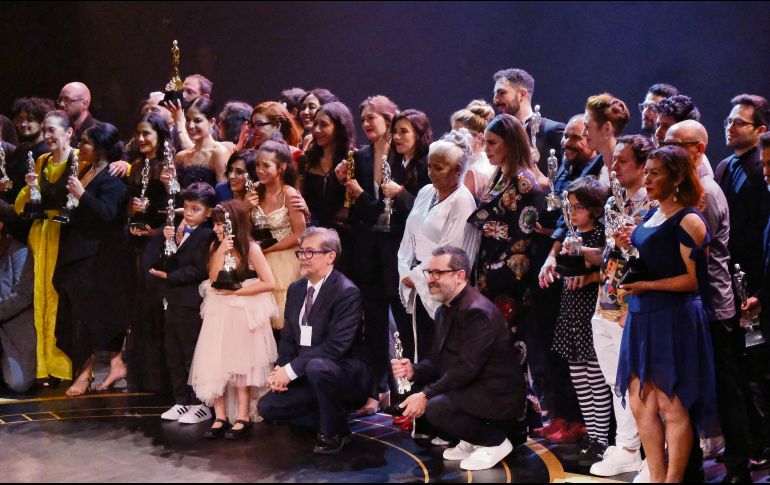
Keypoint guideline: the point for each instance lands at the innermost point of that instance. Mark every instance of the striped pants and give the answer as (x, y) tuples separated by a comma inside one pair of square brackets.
[(594, 397)]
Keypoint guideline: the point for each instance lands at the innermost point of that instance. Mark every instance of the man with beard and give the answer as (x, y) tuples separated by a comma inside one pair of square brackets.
[(322, 369), (473, 389), (552, 376), (514, 89), (75, 100), (656, 93)]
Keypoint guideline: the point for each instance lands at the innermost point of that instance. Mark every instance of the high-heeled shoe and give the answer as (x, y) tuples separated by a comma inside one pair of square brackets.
[(234, 434), (110, 385), (215, 433), (80, 381)]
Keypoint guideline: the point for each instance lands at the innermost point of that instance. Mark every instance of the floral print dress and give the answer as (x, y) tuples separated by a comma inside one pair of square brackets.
[(506, 216)]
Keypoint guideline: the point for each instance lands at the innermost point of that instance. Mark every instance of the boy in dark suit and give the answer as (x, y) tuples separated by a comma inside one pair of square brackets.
[(182, 316)]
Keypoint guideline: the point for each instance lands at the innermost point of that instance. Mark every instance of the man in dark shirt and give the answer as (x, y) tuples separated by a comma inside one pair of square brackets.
[(514, 89), (671, 111), (75, 99), (740, 177), (473, 388), (656, 93)]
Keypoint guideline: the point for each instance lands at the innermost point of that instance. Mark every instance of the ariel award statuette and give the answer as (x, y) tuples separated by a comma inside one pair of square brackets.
[(227, 279), (139, 219), (552, 201), (168, 162), (403, 383), (3, 174), (751, 325), (383, 222), (260, 233), (167, 261), (175, 94), (65, 212), (534, 129), (572, 261), (34, 208)]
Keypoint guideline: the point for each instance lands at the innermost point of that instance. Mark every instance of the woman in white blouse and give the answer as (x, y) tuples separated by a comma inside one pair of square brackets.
[(439, 217)]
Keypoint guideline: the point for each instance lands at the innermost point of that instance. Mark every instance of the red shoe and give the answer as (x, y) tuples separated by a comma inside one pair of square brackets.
[(399, 420), (569, 434), (552, 427)]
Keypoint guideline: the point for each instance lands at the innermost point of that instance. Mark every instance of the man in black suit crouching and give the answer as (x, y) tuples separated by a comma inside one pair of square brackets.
[(474, 388), (322, 371)]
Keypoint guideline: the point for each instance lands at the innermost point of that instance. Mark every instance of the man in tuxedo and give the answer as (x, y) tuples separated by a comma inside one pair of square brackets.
[(473, 387), (322, 371), (740, 177), (514, 89)]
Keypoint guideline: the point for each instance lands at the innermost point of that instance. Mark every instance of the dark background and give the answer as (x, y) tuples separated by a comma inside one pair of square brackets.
[(432, 56)]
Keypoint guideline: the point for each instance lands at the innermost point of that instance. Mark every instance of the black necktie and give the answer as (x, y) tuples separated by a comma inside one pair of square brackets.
[(308, 304)]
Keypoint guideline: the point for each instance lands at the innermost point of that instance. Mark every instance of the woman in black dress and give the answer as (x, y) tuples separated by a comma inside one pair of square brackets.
[(93, 266)]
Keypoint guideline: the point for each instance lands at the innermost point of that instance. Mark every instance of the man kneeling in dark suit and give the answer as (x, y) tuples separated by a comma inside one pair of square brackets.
[(474, 388), (322, 370)]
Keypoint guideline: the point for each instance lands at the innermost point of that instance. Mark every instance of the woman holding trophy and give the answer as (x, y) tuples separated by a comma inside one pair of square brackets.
[(371, 234), (93, 260), (46, 190), (147, 198), (271, 209)]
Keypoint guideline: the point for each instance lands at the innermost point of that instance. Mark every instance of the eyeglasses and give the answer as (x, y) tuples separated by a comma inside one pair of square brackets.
[(437, 273), (260, 124), (647, 105), (68, 101), (307, 254), (681, 144), (737, 122)]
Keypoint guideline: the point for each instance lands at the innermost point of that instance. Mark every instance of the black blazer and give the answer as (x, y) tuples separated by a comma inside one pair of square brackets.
[(548, 136), (748, 214), (96, 224), (336, 318), (192, 260), (473, 360), (380, 249)]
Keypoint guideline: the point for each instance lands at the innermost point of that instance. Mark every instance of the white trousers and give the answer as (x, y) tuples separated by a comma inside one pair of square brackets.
[(607, 338)]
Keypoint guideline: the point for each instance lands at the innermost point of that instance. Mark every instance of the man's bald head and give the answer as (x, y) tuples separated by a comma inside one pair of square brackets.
[(688, 130), (690, 135), (75, 99)]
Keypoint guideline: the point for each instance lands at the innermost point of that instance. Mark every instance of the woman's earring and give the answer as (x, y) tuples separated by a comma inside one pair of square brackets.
[(676, 193)]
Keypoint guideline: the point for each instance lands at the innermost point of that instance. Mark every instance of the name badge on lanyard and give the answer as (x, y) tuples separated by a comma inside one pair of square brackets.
[(306, 335)]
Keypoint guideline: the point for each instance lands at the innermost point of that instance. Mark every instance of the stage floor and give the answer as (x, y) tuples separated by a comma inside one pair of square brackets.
[(117, 436)]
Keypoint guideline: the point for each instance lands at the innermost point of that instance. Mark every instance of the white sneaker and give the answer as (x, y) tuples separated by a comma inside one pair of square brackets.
[(196, 414), (174, 413), (486, 457), (616, 461), (644, 474), (439, 442), (460, 452)]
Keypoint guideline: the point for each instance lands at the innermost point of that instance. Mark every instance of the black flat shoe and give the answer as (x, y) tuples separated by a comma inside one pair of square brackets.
[(234, 434), (329, 445), (216, 433)]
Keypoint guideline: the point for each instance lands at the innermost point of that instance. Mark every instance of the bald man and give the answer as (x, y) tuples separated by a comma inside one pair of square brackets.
[(727, 336), (75, 99)]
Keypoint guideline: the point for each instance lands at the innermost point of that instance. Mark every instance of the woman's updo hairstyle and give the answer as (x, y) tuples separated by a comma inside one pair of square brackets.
[(454, 146)]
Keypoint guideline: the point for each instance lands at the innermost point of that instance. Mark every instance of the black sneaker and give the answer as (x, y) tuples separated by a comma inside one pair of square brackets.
[(592, 450), (329, 445)]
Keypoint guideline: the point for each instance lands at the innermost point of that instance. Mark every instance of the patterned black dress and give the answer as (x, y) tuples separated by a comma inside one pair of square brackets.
[(506, 216), (573, 338)]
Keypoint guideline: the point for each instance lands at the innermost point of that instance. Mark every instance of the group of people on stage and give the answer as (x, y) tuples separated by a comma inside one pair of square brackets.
[(257, 261)]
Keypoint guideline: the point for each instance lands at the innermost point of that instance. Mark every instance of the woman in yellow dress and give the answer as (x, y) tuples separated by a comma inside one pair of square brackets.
[(50, 177)]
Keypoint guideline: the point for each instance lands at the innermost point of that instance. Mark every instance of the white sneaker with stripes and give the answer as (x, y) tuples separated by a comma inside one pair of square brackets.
[(174, 413), (196, 414)]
